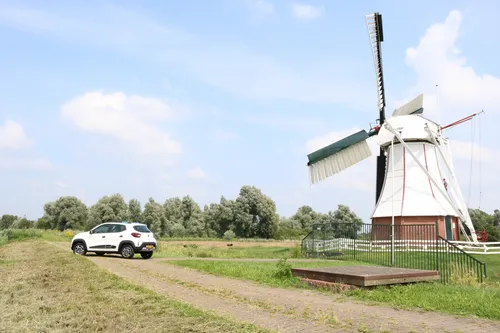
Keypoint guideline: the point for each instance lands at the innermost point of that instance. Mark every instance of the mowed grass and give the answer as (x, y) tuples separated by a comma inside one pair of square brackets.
[(469, 300), (44, 290)]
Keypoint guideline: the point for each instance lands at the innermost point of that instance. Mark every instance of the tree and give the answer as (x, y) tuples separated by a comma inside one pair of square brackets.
[(152, 216), (173, 218), (107, 209), (192, 217), (220, 217), (7, 220), (22, 223), (306, 217), (65, 213), (484, 221), (290, 228), (255, 214), (42, 223), (134, 210)]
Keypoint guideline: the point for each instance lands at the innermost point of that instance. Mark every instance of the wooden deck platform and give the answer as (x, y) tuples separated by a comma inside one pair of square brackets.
[(364, 276)]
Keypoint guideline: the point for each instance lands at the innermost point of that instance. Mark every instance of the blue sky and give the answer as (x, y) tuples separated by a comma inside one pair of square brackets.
[(168, 98)]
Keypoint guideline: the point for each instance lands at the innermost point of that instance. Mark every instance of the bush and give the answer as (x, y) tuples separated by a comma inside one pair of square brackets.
[(283, 270), (229, 235), (20, 234)]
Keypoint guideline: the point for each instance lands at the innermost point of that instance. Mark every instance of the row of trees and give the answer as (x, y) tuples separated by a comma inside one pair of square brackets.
[(251, 215), (487, 222)]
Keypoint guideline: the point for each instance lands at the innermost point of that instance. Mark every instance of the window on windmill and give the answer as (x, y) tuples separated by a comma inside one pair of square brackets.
[(445, 184)]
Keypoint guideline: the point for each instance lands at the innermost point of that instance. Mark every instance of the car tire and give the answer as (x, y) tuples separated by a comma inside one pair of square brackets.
[(127, 251), (79, 248), (146, 255), (100, 254)]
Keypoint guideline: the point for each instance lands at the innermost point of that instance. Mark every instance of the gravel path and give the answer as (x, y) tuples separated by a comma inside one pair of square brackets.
[(282, 310)]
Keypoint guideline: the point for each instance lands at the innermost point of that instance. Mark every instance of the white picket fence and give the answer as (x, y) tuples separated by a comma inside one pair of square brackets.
[(478, 248), (345, 244), (316, 245)]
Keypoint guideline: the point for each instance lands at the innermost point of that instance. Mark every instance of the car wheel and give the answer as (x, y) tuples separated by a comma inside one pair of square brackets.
[(79, 249), (146, 255), (127, 251), (100, 254)]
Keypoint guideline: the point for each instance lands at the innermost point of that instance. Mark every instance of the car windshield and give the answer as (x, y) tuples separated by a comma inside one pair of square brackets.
[(141, 228)]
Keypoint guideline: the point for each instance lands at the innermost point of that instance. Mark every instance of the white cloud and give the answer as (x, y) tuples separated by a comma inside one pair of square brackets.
[(334, 136), (12, 136), (232, 67), (437, 60), (25, 163), (306, 12), (197, 173), (165, 176), (261, 7), (61, 184), (131, 120), (464, 150)]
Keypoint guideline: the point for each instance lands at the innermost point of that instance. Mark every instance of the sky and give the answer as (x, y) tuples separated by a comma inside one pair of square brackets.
[(171, 98)]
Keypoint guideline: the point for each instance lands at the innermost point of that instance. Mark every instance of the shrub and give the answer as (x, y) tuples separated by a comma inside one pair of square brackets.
[(229, 235), (20, 234), (465, 277), (283, 269)]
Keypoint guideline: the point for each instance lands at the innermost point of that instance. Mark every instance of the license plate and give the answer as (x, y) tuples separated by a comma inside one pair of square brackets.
[(149, 246)]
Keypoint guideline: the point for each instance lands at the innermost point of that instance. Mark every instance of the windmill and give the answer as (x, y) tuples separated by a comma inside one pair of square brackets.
[(415, 179)]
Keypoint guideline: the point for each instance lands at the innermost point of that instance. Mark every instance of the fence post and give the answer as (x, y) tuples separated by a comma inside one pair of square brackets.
[(437, 246), (392, 245), (354, 236), (314, 241)]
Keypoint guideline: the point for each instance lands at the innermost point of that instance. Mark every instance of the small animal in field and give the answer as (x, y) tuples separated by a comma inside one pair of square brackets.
[(230, 244)]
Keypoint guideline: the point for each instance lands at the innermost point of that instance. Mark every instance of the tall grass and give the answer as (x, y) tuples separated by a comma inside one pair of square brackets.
[(9, 235)]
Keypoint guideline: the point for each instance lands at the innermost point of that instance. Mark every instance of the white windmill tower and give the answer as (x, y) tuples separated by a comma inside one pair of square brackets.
[(415, 179)]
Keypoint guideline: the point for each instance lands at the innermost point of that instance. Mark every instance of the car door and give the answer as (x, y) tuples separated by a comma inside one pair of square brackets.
[(98, 239), (115, 235)]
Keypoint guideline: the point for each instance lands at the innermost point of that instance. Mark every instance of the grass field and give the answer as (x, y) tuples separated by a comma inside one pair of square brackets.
[(181, 248), (43, 290), (261, 272), (471, 300), (237, 251)]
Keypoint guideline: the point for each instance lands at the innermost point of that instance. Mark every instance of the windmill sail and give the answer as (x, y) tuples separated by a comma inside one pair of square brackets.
[(376, 36), (415, 106), (338, 156)]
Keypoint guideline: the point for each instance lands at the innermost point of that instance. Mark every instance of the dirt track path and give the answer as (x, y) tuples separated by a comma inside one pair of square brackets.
[(282, 310)]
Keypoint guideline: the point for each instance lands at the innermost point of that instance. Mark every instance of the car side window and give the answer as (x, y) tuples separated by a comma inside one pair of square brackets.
[(102, 229), (117, 228)]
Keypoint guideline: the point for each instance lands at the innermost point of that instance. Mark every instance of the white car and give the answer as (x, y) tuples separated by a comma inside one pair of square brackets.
[(124, 238)]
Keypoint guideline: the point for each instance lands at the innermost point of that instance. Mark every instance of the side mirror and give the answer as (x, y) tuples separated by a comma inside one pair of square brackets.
[(91, 232)]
